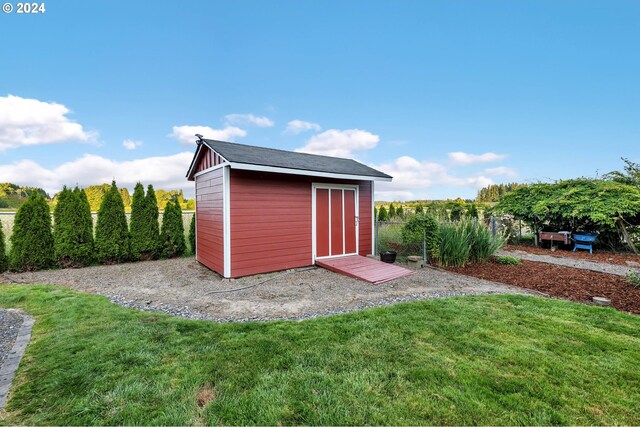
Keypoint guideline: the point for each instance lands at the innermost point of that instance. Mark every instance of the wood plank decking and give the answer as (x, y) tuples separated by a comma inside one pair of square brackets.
[(362, 268)]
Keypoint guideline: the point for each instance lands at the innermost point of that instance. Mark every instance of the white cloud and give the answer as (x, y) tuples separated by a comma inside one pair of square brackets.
[(167, 172), (25, 121), (298, 126), (413, 178), (249, 119), (186, 134), (131, 144), (461, 158), (501, 170), (340, 143)]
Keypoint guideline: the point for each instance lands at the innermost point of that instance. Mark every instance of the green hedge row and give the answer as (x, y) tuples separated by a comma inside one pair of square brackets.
[(38, 244)]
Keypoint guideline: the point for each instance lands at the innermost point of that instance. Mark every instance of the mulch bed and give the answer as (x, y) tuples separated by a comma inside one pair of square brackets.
[(563, 282), (626, 259)]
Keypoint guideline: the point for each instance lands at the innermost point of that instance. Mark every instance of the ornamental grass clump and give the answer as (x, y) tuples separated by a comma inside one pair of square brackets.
[(483, 244), (112, 233), (32, 239), (454, 247), (466, 241)]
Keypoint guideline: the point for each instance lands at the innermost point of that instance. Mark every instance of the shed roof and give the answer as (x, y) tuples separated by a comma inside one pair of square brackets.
[(241, 154)]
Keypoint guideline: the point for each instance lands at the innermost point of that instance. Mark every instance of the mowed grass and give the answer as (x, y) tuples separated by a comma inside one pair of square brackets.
[(468, 360)]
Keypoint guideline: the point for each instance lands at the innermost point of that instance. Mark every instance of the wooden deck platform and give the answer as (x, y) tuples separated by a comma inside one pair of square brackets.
[(362, 268)]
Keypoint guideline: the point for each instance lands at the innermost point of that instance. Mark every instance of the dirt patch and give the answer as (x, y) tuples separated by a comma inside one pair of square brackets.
[(627, 259), (558, 281), (205, 395), (185, 288)]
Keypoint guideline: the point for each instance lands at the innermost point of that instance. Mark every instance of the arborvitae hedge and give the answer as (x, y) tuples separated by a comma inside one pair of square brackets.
[(137, 226), (172, 234), (392, 211), (63, 242), (73, 229), (192, 234), (84, 253), (382, 214), (32, 239), (152, 213), (3, 251), (112, 233), (144, 227)]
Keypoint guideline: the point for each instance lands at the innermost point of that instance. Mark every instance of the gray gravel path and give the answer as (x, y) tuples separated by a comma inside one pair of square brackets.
[(619, 270), (13, 343), (183, 287), (10, 322)]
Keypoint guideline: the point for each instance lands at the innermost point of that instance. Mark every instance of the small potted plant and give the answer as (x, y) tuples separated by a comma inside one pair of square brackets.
[(388, 256)]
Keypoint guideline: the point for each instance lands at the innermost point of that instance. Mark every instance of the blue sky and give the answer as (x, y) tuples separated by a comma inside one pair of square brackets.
[(446, 96)]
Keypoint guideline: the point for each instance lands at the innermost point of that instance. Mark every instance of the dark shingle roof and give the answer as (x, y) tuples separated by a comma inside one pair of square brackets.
[(248, 154)]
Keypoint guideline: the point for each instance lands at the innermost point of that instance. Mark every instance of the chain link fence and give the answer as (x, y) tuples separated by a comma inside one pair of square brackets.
[(388, 235)]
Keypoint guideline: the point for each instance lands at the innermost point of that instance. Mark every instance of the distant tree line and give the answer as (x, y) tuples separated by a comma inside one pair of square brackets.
[(12, 196), (493, 192), (444, 210), (70, 241), (96, 193)]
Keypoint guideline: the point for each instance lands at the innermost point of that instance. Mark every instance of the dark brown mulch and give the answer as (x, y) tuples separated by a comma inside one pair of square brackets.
[(597, 256), (557, 281)]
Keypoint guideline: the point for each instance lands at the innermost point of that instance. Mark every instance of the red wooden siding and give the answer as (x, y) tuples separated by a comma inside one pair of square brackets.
[(270, 222), (271, 219), (204, 162), (209, 220), (365, 216), (207, 159), (322, 222), (350, 224), (336, 223)]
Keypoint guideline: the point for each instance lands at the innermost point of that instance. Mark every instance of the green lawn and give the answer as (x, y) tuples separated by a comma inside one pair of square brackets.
[(468, 360)]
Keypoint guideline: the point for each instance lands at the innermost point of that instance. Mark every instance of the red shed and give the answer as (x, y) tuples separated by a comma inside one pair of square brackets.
[(260, 210)]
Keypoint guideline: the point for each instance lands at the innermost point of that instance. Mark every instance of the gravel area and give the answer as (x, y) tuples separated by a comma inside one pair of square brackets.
[(601, 267), (185, 288), (10, 323), (15, 334)]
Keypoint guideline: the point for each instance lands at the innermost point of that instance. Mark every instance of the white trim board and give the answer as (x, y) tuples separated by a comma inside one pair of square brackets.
[(212, 168), (373, 219), (226, 215), (273, 169)]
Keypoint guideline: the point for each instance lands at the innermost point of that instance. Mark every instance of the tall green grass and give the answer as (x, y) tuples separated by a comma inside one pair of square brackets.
[(483, 244), (466, 241), (455, 245)]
